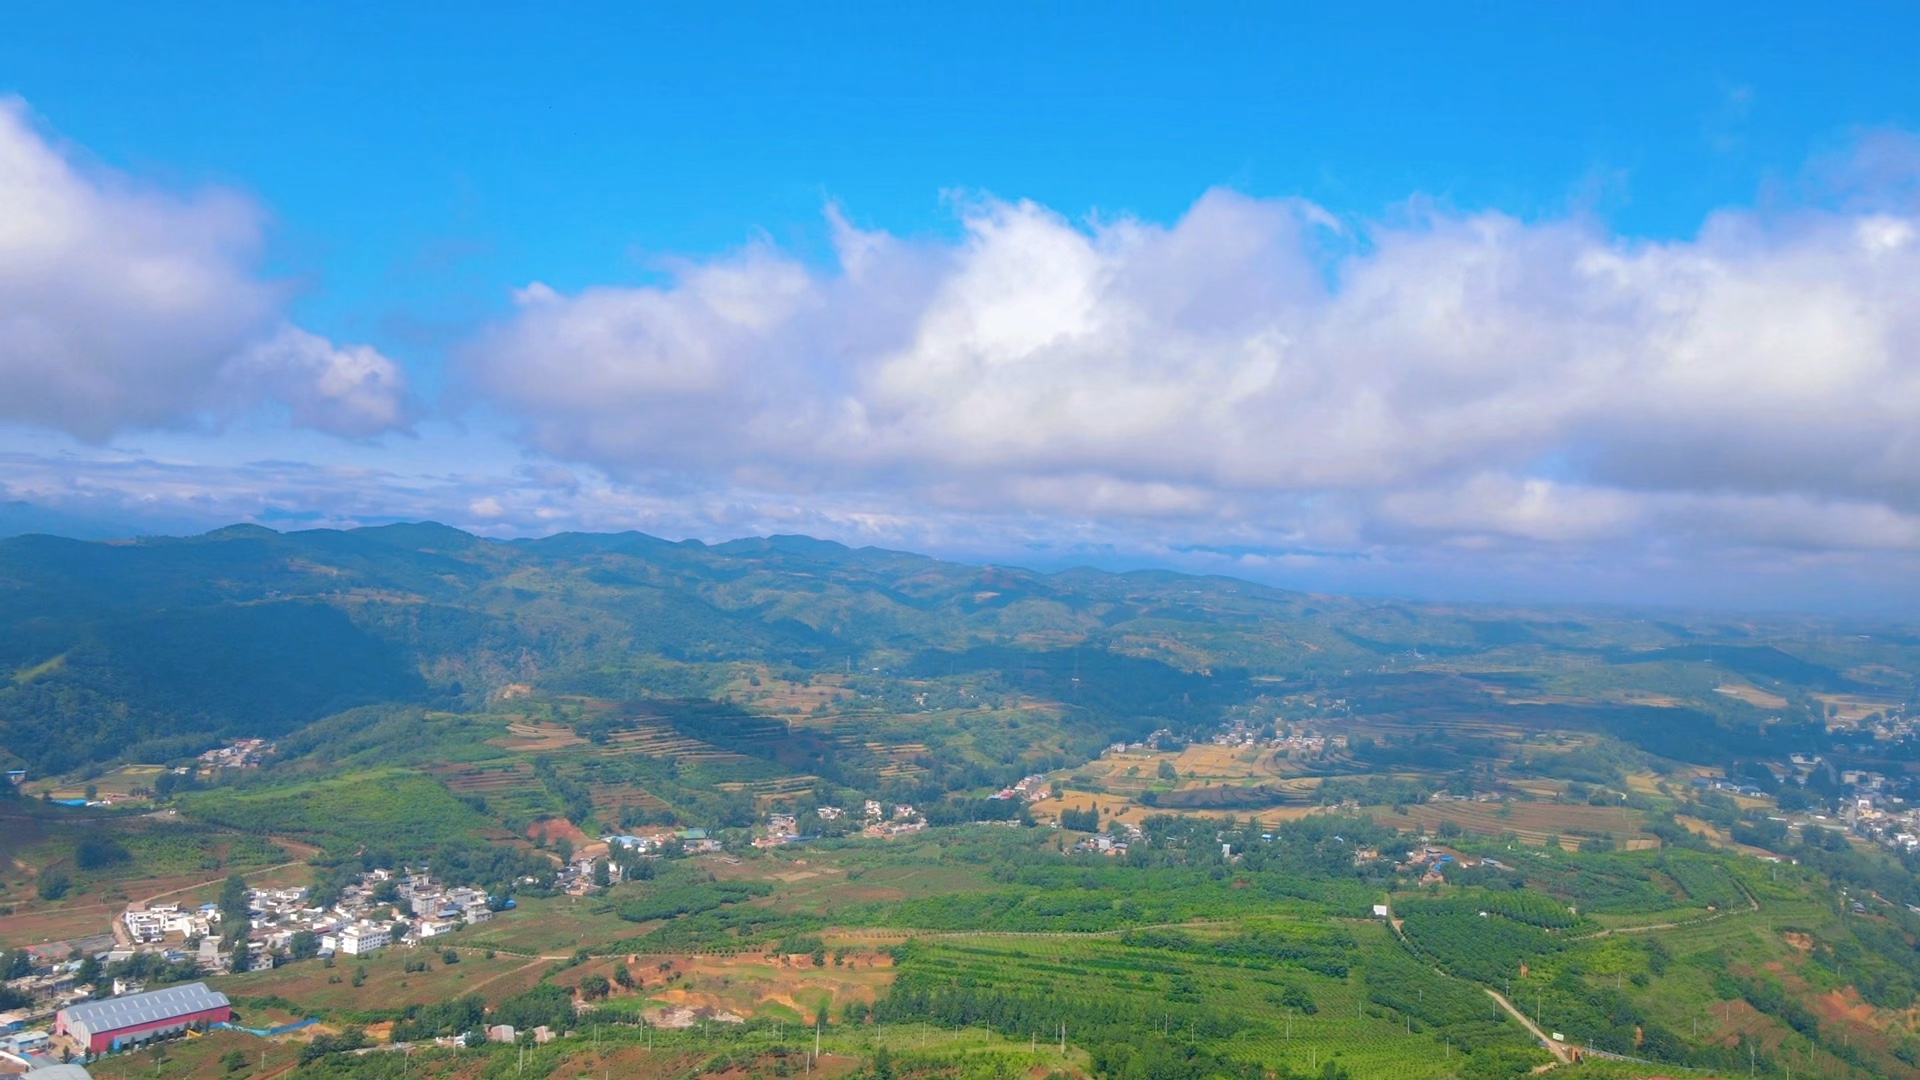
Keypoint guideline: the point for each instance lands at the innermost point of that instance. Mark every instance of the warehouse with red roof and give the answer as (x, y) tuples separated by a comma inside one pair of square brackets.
[(117, 1023)]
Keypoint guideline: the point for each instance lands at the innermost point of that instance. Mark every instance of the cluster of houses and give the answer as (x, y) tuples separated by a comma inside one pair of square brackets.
[(361, 921), (879, 822), (1729, 787), (1309, 742), (1428, 861), (439, 908), (1108, 844), (245, 754), (1898, 829), (1891, 724), (153, 924), (1155, 741), (1246, 735), (691, 841), (505, 1033), (1030, 788), (1286, 739), (53, 979), (785, 828)]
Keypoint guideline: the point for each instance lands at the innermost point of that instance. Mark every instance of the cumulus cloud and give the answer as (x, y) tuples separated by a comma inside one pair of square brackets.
[(351, 390), (1261, 364), (124, 307)]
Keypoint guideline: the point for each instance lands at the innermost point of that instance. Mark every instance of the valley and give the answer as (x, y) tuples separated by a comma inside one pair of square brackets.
[(695, 809)]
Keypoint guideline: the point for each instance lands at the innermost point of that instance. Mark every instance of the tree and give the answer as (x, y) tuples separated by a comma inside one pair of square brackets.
[(98, 853), (594, 986), (1167, 771), (304, 945), (53, 884), (89, 973), (624, 977), (602, 875), (233, 1061), (234, 906)]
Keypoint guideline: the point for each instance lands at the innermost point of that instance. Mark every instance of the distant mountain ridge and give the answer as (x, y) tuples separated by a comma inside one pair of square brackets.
[(155, 647)]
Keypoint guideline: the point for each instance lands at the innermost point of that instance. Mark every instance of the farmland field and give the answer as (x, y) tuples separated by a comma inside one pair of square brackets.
[(386, 984), (1658, 837), (547, 925), (197, 1059)]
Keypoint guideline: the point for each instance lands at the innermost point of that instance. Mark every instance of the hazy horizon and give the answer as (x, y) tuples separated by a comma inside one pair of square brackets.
[(1519, 305)]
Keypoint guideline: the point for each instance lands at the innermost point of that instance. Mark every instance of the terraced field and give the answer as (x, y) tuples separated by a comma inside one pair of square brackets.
[(514, 778), (658, 740)]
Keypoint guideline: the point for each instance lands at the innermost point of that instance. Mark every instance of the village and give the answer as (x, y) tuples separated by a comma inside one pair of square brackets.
[(380, 908), (877, 822)]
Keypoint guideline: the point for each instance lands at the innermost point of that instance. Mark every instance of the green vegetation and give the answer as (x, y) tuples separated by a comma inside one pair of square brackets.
[(401, 810), (1524, 789)]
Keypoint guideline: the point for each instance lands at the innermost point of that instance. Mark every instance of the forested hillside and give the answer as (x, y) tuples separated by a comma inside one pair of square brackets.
[(155, 648)]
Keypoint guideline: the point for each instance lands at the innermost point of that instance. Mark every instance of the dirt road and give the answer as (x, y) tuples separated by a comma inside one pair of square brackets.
[(1560, 1051)]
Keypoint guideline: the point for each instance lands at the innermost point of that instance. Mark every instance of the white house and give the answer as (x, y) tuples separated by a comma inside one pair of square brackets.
[(364, 938)]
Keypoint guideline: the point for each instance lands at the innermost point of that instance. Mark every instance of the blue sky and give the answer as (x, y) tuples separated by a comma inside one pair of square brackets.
[(1309, 296)]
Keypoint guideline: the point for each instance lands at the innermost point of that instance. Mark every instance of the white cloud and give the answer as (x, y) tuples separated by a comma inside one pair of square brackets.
[(123, 307), (351, 390), (1257, 365)]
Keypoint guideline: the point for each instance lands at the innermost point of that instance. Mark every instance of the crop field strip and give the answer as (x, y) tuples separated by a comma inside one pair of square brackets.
[(1099, 968), (659, 741), (773, 787), (514, 777), (1533, 823), (538, 736), (611, 799)]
